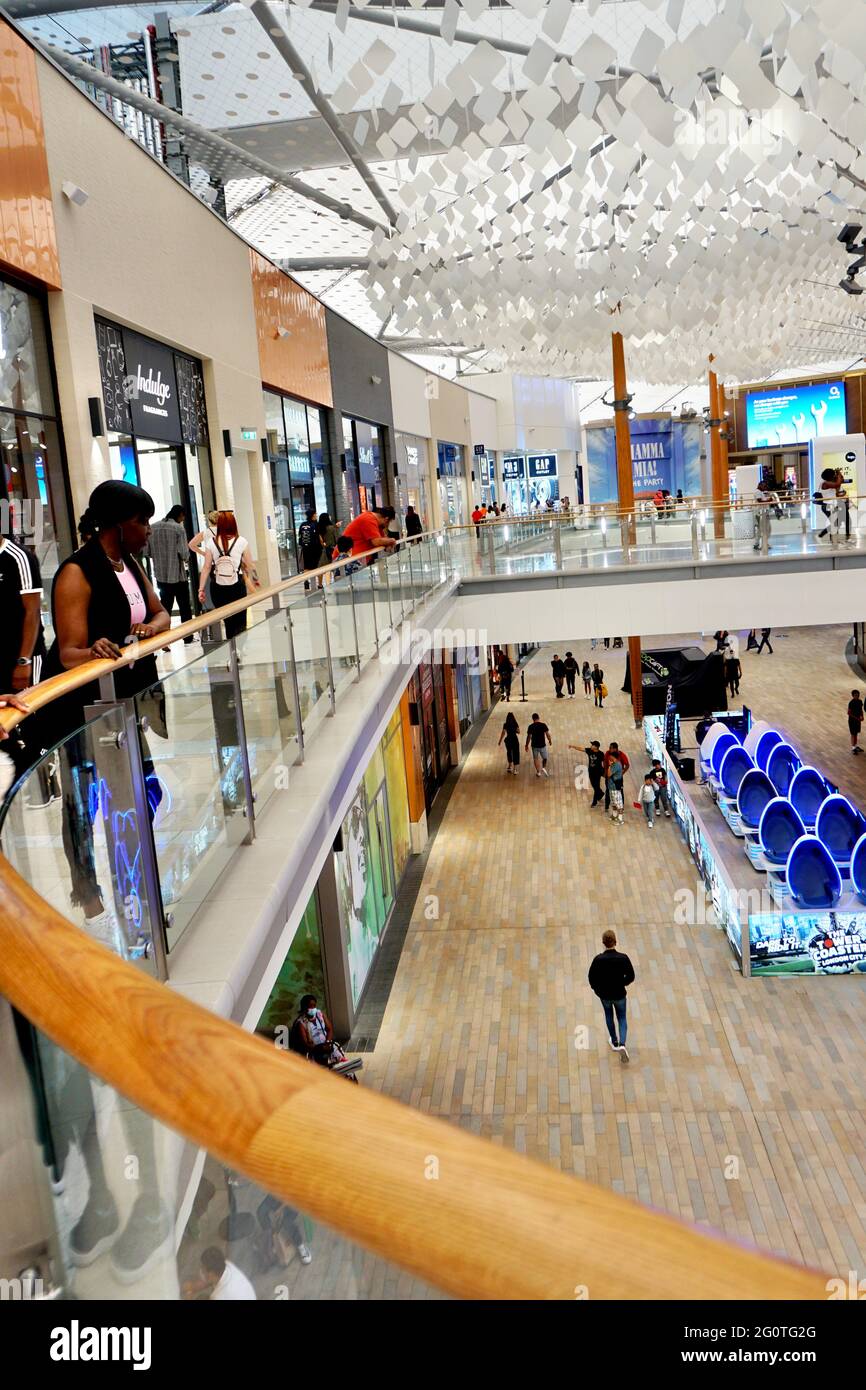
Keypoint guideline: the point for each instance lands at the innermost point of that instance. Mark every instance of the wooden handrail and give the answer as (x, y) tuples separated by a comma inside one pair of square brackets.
[(469, 1217), (52, 689), (611, 511)]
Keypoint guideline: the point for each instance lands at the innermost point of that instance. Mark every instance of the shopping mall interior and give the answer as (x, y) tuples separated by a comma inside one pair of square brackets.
[(448, 879)]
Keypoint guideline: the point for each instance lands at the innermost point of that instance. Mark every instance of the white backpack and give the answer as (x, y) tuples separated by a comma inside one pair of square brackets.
[(224, 571)]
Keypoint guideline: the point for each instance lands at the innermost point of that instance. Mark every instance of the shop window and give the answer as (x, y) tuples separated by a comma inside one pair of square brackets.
[(25, 372), (31, 483), (301, 973)]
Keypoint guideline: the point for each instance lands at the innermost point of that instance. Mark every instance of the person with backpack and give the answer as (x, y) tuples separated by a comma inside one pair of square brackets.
[(615, 766), (310, 545), (229, 567)]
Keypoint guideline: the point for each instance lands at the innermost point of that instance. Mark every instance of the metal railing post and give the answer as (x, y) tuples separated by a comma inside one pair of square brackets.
[(490, 548), (355, 627), (249, 795), (333, 693), (415, 601), (146, 842), (388, 594), (372, 571), (696, 552), (296, 690), (652, 517), (624, 537), (557, 546), (765, 530)]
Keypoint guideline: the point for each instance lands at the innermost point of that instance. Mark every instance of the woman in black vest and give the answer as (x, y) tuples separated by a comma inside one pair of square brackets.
[(99, 600)]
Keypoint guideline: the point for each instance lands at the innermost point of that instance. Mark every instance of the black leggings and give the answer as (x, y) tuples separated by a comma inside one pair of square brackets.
[(222, 594)]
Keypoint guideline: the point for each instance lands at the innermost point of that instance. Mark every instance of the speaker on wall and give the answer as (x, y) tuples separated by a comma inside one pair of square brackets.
[(227, 443), (266, 458)]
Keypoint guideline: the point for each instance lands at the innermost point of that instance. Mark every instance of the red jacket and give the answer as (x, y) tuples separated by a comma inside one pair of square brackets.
[(609, 757)]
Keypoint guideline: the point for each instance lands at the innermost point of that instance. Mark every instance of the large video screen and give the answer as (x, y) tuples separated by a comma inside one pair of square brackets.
[(795, 414)]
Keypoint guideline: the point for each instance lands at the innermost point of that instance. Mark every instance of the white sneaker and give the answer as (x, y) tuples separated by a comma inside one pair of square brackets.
[(306, 1254), (611, 1044), (650, 824), (105, 928), (620, 821), (544, 772), (623, 1052), (538, 774)]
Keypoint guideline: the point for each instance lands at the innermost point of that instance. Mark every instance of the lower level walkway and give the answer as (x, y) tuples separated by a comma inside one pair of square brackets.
[(742, 1107)]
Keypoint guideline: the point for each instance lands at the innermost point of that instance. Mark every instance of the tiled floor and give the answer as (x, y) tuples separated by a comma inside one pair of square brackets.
[(742, 1108)]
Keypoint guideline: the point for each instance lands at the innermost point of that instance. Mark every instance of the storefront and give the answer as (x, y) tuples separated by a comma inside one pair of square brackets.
[(412, 477), (302, 972), (36, 507), (156, 420), (372, 855), (300, 470), (428, 708), (514, 484), (467, 673), (451, 474), (364, 450)]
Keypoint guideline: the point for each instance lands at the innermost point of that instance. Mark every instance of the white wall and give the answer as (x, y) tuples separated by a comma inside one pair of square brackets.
[(516, 612), (145, 252), (410, 388)]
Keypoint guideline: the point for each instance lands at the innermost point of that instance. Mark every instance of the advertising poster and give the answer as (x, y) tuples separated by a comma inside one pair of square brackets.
[(823, 943), (795, 414), (666, 454), (355, 884), (542, 479), (514, 484)]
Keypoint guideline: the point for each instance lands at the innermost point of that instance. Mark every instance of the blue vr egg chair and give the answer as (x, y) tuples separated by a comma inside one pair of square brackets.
[(755, 791), (858, 868), (781, 766), (722, 744), (753, 737), (807, 793), (734, 766), (766, 744), (839, 827), (814, 881), (779, 830)]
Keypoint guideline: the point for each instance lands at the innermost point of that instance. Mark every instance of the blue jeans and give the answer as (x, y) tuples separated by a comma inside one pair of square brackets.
[(649, 809), (609, 1005)]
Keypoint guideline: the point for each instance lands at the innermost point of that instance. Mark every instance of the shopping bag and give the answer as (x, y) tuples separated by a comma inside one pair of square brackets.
[(604, 692)]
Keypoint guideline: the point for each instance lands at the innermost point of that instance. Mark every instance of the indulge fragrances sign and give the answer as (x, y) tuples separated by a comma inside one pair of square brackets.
[(151, 389)]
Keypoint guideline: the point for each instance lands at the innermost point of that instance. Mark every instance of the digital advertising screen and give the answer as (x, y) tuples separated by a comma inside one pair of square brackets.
[(795, 414), (823, 943)]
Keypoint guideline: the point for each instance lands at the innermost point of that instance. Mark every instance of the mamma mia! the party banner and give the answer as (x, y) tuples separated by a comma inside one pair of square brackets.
[(665, 454)]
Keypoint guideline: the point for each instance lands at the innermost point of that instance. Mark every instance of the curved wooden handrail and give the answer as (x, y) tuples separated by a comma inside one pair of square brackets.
[(52, 689), (611, 511), (474, 1219)]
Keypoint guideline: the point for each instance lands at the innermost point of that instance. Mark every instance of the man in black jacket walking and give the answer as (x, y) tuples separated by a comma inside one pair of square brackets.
[(609, 974)]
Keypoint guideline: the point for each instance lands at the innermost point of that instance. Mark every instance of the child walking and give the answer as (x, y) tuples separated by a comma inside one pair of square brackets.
[(648, 799)]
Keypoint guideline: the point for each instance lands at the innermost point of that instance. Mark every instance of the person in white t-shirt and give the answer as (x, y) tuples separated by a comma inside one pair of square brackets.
[(229, 567), (226, 1282)]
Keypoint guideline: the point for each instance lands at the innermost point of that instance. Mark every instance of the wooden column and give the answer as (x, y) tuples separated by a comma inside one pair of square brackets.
[(625, 493), (718, 466)]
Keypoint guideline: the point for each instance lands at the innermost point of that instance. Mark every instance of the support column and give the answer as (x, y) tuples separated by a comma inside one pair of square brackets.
[(625, 493), (411, 735), (718, 471)]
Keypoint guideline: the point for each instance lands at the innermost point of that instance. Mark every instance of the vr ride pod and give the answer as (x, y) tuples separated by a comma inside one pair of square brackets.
[(839, 827), (807, 793), (723, 743), (782, 763), (858, 868), (733, 768), (812, 878), (779, 831), (753, 737), (756, 790), (766, 744)]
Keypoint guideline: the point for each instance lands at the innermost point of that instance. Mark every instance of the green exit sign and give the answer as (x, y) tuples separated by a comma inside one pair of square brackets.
[(249, 434)]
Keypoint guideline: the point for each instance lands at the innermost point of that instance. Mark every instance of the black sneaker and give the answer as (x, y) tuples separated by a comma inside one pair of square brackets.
[(146, 1238), (94, 1232)]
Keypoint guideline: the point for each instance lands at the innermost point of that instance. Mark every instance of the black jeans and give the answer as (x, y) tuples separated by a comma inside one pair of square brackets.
[(765, 642), (169, 592), (222, 594), (595, 783), (569, 681)]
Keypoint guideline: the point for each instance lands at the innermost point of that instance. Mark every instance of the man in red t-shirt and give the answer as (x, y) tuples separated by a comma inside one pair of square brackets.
[(367, 531)]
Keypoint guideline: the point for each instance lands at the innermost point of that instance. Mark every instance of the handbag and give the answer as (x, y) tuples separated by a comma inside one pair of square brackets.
[(603, 691)]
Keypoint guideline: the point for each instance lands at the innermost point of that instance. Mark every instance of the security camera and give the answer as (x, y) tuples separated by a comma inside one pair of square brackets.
[(851, 286), (74, 193), (849, 233)]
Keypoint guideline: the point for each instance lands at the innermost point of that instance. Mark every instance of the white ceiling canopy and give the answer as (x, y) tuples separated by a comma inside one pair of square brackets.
[(545, 171)]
